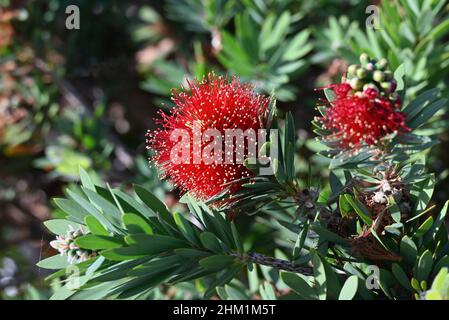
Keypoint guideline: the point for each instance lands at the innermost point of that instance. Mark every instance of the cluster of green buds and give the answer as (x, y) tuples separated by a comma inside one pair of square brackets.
[(372, 78), (67, 247)]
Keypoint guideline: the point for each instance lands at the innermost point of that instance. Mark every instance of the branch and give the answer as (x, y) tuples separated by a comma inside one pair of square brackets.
[(273, 262)]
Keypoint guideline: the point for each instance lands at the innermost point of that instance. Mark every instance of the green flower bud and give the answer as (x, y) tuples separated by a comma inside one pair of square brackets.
[(356, 83), (386, 86), (364, 58), (378, 76), (382, 64), (388, 75), (361, 73), (352, 69), (393, 96)]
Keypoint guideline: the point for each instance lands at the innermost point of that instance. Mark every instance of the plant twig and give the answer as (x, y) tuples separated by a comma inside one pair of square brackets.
[(280, 264)]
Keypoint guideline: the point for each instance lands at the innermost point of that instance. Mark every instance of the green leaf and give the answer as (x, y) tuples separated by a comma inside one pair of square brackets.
[(426, 114), (61, 226), (442, 263), (299, 285), (320, 276), (415, 285), (441, 282), (216, 262), (439, 221), (349, 161), (62, 293), (125, 253), (139, 285), (349, 289), (186, 228), (401, 276), (299, 244), (289, 142), (327, 235), (136, 224), (253, 278), (424, 266), (394, 229), (191, 253), (344, 205), (326, 282), (141, 245), (85, 205), (94, 242), (408, 250), (154, 244), (156, 265), (360, 209), (85, 179), (279, 171), (330, 94), (156, 205), (95, 227), (423, 192), (235, 293), (386, 282), (54, 262), (418, 104), (395, 212), (298, 46), (211, 242), (270, 35), (131, 205), (236, 237), (399, 74), (110, 211), (267, 292), (223, 278), (335, 183), (72, 208), (232, 49), (423, 228), (362, 289)]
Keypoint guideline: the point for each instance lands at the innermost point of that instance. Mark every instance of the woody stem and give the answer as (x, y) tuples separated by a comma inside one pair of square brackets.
[(279, 264)]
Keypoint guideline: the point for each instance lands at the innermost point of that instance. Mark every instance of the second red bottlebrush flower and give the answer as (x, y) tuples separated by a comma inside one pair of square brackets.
[(216, 103), (366, 107)]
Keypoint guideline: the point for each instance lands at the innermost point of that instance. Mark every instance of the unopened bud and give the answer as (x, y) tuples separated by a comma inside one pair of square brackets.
[(388, 75), (378, 76), (361, 73), (382, 64), (352, 69), (386, 86), (356, 83), (364, 58), (394, 96)]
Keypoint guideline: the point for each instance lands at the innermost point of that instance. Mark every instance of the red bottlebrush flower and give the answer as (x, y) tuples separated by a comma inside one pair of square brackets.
[(362, 117), (214, 103)]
